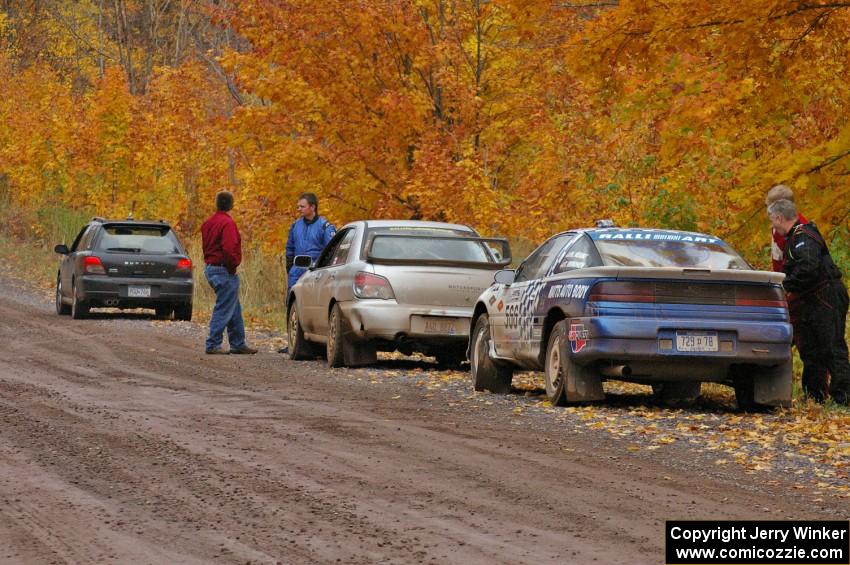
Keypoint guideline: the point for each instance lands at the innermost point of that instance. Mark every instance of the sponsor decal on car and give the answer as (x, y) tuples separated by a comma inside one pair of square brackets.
[(568, 290), (501, 305), (577, 336), (653, 236)]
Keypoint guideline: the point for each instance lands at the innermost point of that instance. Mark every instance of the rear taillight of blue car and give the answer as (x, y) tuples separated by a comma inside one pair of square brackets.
[(688, 293)]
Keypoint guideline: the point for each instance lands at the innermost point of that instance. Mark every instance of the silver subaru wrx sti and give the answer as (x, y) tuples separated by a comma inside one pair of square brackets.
[(389, 285)]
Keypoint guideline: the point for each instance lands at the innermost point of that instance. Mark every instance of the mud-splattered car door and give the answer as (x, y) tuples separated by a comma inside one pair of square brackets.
[(519, 300)]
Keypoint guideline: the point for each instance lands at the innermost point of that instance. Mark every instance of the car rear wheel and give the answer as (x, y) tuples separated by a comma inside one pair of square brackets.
[(450, 357), (299, 347), (163, 312), (762, 388), (79, 308), (486, 374), (556, 366), (62, 309), (183, 312), (336, 338), (675, 392), (566, 380)]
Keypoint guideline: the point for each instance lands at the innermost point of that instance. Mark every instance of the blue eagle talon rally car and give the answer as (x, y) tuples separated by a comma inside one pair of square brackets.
[(666, 308)]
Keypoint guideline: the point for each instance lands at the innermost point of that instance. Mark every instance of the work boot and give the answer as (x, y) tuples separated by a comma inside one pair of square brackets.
[(244, 350), (217, 351)]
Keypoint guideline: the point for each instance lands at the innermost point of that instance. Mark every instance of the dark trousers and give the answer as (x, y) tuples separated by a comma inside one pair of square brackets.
[(819, 331)]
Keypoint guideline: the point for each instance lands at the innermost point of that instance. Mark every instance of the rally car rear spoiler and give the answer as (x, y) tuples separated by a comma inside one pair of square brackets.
[(498, 248), (686, 273)]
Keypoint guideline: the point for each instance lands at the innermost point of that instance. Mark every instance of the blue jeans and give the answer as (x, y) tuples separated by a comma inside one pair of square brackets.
[(227, 312)]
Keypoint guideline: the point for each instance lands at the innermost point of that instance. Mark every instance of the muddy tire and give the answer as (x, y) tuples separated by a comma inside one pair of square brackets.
[(450, 358), (163, 312), (566, 381), (675, 392), (299, 348), (183, 312), (336, 338), (79, 308), (759, 389), (62, 309), (556, 368), (486, 374)]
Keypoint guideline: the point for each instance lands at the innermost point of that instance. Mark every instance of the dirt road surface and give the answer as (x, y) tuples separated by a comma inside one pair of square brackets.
[(121, 442)]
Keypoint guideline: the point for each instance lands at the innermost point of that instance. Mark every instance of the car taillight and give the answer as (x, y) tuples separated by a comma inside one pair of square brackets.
[(93, 266), (618, 291), (367, 285), (765, 296), (184, 265)]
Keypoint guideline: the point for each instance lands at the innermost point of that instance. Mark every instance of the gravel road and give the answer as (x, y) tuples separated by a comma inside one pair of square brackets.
[(120, 441)]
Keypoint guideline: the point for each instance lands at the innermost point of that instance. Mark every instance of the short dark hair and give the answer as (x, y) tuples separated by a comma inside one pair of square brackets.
[(224, 201), (311, 199)]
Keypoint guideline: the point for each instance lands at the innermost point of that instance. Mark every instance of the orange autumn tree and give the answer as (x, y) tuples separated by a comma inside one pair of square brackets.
[(426, 109), (517, 117), (701, 107)]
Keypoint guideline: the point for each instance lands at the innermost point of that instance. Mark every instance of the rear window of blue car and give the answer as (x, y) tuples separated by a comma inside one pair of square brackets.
[(153, 240), (666, 249)]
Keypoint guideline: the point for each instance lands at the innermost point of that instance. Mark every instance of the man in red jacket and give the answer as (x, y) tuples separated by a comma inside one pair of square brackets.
[(222, 255)]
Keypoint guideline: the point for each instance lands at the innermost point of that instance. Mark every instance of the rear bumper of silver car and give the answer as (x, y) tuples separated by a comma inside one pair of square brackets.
[(390, 321)]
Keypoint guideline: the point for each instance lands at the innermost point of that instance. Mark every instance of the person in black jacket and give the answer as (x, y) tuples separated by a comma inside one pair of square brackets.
[(811, 274)]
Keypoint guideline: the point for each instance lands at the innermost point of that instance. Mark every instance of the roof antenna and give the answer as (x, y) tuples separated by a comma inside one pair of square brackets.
[(132, 209)]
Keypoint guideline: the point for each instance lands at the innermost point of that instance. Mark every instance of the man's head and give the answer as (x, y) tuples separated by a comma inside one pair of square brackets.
[(779, 192), (783, 215), (224, 201), (308, 205)]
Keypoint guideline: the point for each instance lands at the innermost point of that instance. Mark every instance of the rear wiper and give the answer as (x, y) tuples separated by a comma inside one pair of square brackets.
[(125, 249)]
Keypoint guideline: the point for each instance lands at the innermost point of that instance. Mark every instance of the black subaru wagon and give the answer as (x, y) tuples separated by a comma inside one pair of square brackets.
[(125, 264)]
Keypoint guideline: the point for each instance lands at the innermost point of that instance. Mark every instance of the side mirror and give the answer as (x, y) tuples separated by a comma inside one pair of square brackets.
[(505, 277), (303, 261), (62, 249)]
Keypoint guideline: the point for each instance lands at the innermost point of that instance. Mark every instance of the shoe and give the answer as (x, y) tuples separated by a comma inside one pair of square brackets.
[(217, 351), (244, 350), (283, 350)]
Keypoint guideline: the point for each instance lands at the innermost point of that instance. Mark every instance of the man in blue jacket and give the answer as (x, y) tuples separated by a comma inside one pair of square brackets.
[(308, 235)]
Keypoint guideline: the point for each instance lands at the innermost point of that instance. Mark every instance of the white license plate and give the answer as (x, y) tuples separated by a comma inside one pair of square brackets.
[(437, 325), (696, 341), (139, 291)]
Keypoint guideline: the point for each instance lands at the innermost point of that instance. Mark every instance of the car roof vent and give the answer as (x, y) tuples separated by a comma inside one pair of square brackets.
[(606, 223), (98, 219)]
